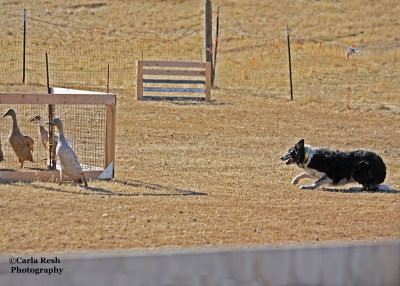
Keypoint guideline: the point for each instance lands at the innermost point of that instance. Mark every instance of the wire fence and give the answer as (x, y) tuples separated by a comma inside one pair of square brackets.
[(79, 56), (23, 113), (84, 128)]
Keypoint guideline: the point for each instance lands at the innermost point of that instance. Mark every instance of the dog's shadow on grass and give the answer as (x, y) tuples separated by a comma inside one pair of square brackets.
[(355, 190), (134, 189)]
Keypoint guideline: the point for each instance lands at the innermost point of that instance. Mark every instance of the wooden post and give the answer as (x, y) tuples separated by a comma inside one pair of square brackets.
[(24, 50), (52, 151), (111, 123), (215, 52), (207, 90), (139, 84), (208, 30), (290, 63), (108, 77), (47, 74)]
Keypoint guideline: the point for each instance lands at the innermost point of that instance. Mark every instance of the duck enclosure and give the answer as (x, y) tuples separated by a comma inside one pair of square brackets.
[(89, 125)]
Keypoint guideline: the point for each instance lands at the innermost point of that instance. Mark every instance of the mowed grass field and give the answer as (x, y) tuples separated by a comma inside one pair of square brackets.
[(208, 174)]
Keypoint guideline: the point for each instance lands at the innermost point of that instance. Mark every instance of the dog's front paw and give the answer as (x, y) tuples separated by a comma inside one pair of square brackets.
[(310, 187), (296, 180)]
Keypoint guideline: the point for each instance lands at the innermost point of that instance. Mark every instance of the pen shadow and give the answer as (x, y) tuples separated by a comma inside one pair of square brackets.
[(119, 188)]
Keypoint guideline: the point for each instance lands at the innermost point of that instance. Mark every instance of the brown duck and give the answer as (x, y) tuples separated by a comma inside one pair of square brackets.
[(22, 145)]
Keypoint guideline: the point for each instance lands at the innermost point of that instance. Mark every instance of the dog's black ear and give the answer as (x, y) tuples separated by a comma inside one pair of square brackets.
[(300, 144)]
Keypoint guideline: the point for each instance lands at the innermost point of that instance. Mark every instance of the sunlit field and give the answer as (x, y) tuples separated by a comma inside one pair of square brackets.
[(195, 174)]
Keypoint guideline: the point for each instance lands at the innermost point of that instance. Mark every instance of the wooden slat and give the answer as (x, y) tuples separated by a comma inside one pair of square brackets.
[(173, 64), (158, 68), (173, 98), (89, 99), (173, 89), (173, 72), (208, 82), (177, 81)]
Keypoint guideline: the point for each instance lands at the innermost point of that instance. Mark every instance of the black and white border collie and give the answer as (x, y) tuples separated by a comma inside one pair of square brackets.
[(336, 168)]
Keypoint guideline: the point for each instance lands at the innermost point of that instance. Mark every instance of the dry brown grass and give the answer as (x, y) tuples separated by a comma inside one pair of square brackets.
[(209, 174), (198, 174)]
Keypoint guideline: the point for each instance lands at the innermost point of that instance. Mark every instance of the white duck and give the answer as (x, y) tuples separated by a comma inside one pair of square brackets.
[(44, 134), (70, 165)]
